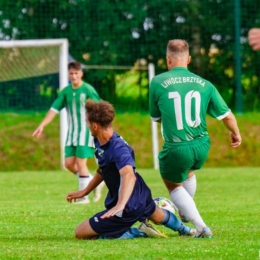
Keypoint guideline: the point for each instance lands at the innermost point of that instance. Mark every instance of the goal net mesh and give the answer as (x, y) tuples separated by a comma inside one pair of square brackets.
[(29, 80), (26, 62), (29, 77)]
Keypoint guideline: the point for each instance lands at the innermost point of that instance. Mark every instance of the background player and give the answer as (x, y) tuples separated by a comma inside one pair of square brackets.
[(79, 142), (180, 100), (129, 199)]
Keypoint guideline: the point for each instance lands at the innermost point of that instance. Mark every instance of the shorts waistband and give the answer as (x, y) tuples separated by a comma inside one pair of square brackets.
[(191, 142)]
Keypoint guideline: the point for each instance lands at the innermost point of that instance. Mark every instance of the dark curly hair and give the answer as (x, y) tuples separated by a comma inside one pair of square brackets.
[(101, 112)]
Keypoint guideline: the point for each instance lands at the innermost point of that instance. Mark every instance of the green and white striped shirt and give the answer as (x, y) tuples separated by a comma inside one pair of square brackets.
[(74, 100)]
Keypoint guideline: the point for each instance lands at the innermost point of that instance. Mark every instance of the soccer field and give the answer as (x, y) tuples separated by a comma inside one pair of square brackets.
[(36, 222)]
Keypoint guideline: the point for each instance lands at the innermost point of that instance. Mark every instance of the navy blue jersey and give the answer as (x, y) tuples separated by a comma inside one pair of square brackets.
[(112, 157)]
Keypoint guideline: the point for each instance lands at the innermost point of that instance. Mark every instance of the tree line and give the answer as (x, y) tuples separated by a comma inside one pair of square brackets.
[(135, 33)]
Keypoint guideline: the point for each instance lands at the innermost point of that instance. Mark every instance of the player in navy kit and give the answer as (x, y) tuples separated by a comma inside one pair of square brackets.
[(129, 199)]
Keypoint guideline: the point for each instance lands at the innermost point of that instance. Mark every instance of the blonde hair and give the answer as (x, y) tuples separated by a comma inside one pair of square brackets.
[(177, 49)]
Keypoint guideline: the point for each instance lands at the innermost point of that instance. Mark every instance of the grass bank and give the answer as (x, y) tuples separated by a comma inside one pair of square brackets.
[(19, 151)]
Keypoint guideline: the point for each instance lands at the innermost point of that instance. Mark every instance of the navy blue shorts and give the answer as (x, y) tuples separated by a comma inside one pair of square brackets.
[(116, 226)]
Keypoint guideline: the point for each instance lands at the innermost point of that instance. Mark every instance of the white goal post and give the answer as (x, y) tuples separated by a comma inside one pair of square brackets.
[(62, 44), (151, 73)]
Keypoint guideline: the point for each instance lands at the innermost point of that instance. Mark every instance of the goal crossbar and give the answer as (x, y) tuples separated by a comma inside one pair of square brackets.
[(32, 43)]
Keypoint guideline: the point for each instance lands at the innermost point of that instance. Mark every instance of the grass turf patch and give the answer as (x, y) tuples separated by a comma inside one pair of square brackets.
[(36, 222)]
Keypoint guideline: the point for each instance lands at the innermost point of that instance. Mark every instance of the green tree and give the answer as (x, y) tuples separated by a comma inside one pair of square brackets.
[(112, 32)]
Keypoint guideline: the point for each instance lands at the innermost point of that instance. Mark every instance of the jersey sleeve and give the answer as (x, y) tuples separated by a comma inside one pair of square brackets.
[(123, 156), (217, 106), (59, 103), (155, 113), (93, 94)]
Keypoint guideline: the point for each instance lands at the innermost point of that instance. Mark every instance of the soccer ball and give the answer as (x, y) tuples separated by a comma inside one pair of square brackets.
[(164, 203)]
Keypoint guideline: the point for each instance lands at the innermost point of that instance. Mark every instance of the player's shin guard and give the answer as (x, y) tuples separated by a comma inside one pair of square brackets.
[(171, 221)]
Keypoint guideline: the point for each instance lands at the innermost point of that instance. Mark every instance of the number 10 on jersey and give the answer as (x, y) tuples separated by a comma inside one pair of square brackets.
[(177, 101)]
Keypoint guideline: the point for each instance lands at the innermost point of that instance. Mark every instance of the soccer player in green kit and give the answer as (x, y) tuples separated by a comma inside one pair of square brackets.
[(180, 100), (79, 142)]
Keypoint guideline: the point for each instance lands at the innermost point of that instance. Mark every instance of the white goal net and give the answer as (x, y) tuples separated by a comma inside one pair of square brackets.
[(22, 59)]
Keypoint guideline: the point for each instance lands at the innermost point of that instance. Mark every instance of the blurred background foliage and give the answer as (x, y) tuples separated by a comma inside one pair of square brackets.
[(132, 34)]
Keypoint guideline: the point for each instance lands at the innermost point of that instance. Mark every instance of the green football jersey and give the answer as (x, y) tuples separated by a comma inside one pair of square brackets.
[(74, 100), (181, 99)]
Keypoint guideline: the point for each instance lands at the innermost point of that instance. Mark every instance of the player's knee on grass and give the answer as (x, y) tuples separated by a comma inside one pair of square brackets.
[(81, 234), (78, 234), (84, 231)]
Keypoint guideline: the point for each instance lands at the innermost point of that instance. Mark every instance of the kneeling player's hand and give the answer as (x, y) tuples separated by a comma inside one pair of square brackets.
[(117, 210), (75, 195)]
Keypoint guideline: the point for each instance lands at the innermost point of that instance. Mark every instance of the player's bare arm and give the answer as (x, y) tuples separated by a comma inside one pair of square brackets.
[(254, 38), (76, 195), (231, 124), (127, 186), (97, 179), (48, 118)]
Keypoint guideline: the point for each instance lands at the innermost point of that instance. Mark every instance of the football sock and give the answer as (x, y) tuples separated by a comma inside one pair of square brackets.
[(171, 221), (130, 234), (190, 185), (185, 203), (84, 181), (136, 233)]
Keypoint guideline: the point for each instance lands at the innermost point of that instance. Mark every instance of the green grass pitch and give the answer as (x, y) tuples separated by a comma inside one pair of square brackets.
[(36, 222)]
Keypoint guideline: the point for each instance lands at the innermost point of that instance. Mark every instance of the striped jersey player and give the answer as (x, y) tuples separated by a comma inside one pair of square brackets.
[(79, 142)]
